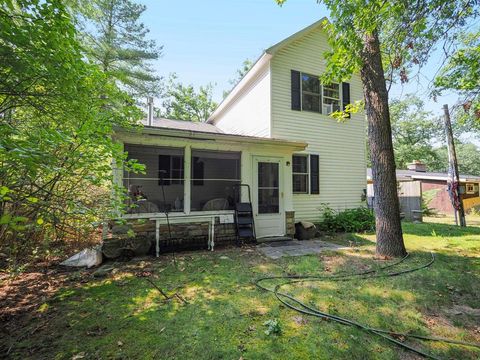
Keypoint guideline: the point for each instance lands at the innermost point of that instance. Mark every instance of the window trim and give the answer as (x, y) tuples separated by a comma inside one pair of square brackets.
[(472, 191), (180, 180), (339, 99), (320, 87), (307, 174), (321, 95), (171, 180)]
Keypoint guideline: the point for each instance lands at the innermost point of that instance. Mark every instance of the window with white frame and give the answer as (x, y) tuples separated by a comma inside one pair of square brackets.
[(311, 93), (317, 97), (330, 98), (470, 189), (176, 169), (300, 174)]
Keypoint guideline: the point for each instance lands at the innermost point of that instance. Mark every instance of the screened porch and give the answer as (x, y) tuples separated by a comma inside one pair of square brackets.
[(180, 180)]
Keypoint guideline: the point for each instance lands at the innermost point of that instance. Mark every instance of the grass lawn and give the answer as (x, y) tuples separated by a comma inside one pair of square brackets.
[(123, 316), (471, 219)]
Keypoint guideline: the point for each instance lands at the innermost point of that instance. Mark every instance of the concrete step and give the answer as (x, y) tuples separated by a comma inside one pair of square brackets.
[(273, 239)]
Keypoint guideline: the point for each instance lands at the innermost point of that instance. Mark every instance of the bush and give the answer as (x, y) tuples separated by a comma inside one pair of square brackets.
[(360, 219)]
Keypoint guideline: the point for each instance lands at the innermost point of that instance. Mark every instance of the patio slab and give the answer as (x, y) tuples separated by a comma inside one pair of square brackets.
[(276, 250)]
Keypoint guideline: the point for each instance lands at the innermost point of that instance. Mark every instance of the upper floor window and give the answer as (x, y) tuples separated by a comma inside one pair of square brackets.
[(331, 98), (308, 94), (311, 95)]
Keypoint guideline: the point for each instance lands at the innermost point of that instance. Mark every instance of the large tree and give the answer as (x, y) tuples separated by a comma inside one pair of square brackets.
[(184, 102), (118, 41), (56, 114), (467, 156), (418, 135), (461, 74), (415, 132), (382, 40)]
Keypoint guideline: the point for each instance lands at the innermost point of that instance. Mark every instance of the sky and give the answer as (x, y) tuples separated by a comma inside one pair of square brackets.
[(207, 41)]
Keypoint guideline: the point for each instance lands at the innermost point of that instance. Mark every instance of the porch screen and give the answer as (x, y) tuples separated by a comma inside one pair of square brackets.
[(164, 165), (213, 180)]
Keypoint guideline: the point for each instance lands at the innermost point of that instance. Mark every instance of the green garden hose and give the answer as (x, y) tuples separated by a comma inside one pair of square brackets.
[(295, 304)]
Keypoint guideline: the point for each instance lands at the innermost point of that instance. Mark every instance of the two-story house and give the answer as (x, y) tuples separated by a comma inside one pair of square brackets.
[(272, 132)]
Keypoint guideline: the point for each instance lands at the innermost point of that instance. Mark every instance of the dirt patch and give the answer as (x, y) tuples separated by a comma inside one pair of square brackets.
[(26, 292), (21, 300)]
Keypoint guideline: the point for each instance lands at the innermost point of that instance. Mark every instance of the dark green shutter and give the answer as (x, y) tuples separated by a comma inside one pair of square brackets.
[(164, 169), (314, 174), (345, 95), (295, 87)]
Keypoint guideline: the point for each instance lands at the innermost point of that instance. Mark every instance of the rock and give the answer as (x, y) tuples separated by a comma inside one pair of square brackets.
[(115, 247), (79, 356), (103, 271), (112, 248), (121, 229), (305, 230), (88, 257)]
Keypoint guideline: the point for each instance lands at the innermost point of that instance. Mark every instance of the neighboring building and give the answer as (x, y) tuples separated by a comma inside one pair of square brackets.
[(272, 132), (416, 183)]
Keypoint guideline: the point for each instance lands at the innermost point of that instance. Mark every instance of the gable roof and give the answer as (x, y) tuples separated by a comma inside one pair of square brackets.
[(258, 66), (272, 50)]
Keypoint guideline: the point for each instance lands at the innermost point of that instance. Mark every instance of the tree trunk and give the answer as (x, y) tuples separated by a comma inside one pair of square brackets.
[(386, 205)]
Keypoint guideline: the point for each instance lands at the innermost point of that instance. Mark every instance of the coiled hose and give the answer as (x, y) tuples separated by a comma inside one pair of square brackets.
[(295, 304)]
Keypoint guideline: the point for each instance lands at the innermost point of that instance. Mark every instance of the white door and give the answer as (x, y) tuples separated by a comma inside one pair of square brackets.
[(268, 197)]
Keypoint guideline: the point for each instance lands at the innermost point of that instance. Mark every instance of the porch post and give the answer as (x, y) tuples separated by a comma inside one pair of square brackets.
[(117, 172), (187, 177), (246, 168)]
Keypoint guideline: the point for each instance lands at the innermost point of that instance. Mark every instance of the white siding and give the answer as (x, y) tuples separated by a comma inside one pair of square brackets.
[(249, 114), (249, 151), (341, 146)]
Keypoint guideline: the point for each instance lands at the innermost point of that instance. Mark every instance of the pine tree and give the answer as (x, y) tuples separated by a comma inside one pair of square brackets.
[(117, 41)]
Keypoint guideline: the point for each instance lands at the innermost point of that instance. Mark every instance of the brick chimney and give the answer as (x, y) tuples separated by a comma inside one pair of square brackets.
[(417, 165)]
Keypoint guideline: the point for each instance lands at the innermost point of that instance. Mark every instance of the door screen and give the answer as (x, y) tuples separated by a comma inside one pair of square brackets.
[(268, 188)]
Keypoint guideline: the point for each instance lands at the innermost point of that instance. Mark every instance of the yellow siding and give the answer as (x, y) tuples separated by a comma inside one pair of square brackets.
[(341, 146)]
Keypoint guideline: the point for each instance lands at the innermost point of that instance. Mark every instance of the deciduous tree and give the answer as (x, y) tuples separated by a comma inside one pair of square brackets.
[(184, 102), (415, 132), (383, 40), (461, 74), (57, 113)]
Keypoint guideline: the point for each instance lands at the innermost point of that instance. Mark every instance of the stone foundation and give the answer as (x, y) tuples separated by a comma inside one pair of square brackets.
[(182, 236), (290, 223)]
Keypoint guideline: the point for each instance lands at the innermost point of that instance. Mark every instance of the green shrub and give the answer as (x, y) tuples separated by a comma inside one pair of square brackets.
[(359, 219)]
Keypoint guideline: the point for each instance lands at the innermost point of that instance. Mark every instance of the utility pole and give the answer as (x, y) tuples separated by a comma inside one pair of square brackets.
[(453, 182)]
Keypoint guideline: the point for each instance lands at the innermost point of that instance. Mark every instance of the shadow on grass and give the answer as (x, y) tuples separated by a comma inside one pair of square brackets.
[(123, 316)]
